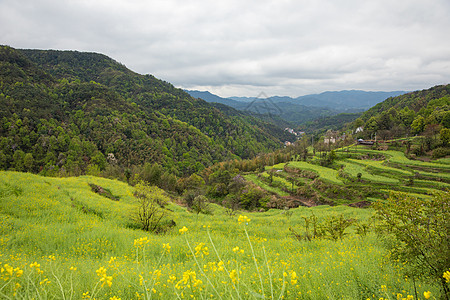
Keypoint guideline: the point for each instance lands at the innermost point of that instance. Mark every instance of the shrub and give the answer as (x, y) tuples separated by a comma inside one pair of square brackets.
[(149, 212), (440, 152), (420, 231)]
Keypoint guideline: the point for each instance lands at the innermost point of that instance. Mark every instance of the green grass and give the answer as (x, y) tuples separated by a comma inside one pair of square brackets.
[(379, 164), (353, 169), (281, 181), (327, 174), (399, 157), (39, 223), (254, 178)]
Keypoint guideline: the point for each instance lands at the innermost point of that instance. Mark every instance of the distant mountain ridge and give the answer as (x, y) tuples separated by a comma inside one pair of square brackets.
[(349, 99), (304, 108)]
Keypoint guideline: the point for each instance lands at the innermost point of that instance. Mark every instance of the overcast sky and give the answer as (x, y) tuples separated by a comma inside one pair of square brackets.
[(242, 48)]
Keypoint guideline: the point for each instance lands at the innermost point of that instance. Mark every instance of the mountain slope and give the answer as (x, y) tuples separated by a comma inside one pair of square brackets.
[(71, 112), (242, 137), (426, 111)]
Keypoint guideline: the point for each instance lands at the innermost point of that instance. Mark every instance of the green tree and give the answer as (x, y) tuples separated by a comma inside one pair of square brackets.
[(99, 159), (18, 157), (28, 162), (371, 125), (418, 125), (445, 136), (406, 116)]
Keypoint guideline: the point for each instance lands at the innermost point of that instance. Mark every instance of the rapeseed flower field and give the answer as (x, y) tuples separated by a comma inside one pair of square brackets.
[(60, 240)]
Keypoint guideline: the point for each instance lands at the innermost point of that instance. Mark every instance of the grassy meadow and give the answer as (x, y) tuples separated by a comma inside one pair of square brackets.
[(60, 240)]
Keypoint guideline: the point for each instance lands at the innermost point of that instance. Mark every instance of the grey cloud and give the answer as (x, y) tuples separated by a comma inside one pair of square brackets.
[(241, 47)]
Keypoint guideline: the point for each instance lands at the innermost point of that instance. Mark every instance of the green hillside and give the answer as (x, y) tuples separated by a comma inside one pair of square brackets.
[(61, 240), (66, 112), (423, 113)]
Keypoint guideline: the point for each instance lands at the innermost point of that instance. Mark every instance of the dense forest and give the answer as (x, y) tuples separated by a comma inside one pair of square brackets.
[(71, 113)]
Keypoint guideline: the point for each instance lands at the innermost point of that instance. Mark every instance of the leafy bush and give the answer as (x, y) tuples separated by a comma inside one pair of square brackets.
[(420, 234), (150, 212), (440, 152)]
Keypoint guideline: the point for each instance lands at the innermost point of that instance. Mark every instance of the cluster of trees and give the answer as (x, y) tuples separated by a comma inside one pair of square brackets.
[(423, 112)]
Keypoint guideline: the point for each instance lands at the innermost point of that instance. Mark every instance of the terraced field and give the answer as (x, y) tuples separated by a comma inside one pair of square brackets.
[(354, 168), (380, 171)]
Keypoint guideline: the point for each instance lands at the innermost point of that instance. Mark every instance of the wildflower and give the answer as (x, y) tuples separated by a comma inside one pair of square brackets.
[(220, 266), (409, 297), (166, 247), (243, 219), (447, 276), (19, 272), (141, 242), (111, 260), (294, 277), (183, 230), (86, 296), (45, 281), (234, 276), (383, 288), (72, 268), (427, 295), (235, 249), (114, 298), (201, 249), (35, 264), (104, 279)]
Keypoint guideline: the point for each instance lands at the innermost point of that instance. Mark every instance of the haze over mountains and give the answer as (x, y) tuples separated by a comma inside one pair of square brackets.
[(304, 108)]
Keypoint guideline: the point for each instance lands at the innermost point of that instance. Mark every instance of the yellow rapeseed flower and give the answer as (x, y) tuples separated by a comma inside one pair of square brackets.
[(447, 276), (166, 247), (201, 249), (427, 295), (141, 241), (104, 279), (183, 230), (233, 276), (220, 266), (243, 219), (294, 277)]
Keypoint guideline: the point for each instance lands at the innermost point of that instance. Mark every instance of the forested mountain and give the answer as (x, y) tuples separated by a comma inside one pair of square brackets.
[(69, 112), (426, 111)]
